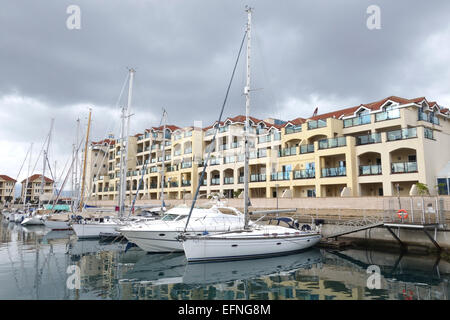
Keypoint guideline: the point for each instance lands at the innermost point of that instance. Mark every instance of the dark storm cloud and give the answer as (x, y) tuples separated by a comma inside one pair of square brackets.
[(184, 52)]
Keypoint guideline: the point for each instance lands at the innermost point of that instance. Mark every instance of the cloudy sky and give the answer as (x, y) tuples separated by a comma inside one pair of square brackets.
[(305, 54)]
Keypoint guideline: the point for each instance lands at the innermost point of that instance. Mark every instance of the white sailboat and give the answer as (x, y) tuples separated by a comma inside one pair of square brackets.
[(253, 240), (162, 235)]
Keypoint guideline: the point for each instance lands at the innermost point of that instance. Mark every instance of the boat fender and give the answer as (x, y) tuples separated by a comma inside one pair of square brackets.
[(205, 233)]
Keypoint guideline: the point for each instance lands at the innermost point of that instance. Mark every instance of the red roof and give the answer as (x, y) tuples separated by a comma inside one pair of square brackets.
[(161, 128), (102, 142), (371, 106), (7, 178), (241, 119), (37, 177)]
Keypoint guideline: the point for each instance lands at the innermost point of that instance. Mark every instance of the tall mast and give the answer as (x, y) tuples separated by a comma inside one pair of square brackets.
[(163, 168), (84, 162), (44, 159), (124, 145), (24, 198), (247, 110)]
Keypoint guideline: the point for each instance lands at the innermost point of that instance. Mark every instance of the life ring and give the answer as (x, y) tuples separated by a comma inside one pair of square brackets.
[(402, 214)]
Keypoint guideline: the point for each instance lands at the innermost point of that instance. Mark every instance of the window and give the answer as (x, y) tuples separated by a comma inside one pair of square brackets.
[(443, 186), (311, 193), (428, 133)]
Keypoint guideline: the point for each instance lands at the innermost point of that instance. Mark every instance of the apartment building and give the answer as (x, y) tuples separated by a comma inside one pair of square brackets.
[(381, 148), (33, 188), (7, 185)]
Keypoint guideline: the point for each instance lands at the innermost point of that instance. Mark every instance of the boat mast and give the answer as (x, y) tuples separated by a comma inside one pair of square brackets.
[(124, 145), (163, 160), (84, 162), (44, 158), (24, 198), (247, 110)]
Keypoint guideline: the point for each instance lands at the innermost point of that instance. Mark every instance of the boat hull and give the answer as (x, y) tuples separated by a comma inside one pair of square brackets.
[(225, 249), (32, 221), (155, 241), (57, 225), (93, 230)]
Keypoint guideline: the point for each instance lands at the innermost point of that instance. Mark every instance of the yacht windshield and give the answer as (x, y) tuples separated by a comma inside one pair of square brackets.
[(170, 217)]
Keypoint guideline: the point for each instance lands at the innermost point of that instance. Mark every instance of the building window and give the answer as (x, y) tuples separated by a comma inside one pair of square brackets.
[(428, 133), (443, 186)]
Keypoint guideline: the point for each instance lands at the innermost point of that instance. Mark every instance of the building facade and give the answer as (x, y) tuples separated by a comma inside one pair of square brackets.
[(382, 148), (33, 188), (7, 185)]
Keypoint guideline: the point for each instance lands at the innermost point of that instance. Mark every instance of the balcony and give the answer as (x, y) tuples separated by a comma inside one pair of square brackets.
[(370, 170), (258, 177), (177, 153), (223, 147), (309, 148), (357, 121), (332, 143), (428, 117), (402, 134), (305, 174), (387, 115), (404, 167), (293, 129), (188, 134), (188, 151), (185, 165), (334, 172), (287, 152), (280, 176), (315, 124), (228, 180), (215, 181), (186, 183), (276, 136), (264, 139), (368, 139)]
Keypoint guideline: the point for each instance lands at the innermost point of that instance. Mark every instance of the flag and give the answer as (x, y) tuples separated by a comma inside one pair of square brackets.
[(315, 111)]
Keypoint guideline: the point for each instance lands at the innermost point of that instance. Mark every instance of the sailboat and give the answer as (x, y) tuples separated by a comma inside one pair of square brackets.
[(253, 240), (94, 227)]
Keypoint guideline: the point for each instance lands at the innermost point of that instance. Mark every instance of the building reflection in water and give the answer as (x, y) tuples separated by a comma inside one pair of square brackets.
[(35, 260)]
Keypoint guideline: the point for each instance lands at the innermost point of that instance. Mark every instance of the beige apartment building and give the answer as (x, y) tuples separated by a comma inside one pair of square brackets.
[(377, 149), (7, 185), (33, 188)]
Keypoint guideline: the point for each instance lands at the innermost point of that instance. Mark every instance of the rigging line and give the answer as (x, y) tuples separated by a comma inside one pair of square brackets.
[(144, 169), (88, 198), (200, 183), (21, 167)]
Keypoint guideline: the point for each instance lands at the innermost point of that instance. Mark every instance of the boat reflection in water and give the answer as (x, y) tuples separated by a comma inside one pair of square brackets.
[(207, 273)]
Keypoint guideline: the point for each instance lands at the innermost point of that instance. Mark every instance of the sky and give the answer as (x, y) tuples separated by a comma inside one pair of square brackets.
[(305, 54)]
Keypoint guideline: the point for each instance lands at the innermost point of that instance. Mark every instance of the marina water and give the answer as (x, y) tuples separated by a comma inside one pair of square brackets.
[(36, 263)]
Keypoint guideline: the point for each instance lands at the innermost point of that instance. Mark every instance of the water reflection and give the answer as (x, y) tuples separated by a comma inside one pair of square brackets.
[(34, 260)]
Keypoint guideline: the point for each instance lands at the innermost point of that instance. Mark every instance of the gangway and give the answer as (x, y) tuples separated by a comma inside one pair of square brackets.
[(355, 226)]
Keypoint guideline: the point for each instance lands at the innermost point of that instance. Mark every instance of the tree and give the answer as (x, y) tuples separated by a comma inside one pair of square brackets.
[(422, 189)]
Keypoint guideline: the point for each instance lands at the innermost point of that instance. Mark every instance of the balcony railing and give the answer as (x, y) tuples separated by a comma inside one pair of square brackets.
[(264, 139), (276, 136), (258, 177), (368, 139), (228, 180), (293, 129), (332, 143), (286, 152), (387, 115), (357, 121), (308, 148), (370, 170), (185, 165), (215, 181), (305, 174), (186, 183), (429, 117), (316, 124), (187, 151), (334, 172), (404, 167), (402, 134), (280, 176)]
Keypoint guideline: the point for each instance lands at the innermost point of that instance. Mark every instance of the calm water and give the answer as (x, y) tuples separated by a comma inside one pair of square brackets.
[(34, 263)]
